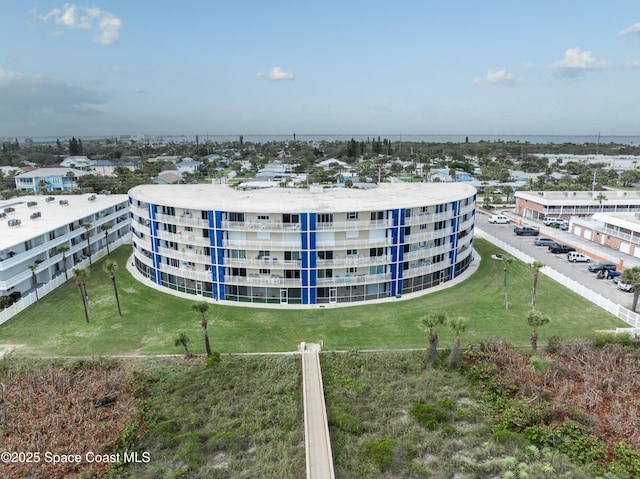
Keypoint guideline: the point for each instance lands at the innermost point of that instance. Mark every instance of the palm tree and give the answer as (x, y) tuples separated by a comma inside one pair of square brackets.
[(110, 267), (430, 322), (81, 275), (600, 198), (202, 307), (536, 265), (106, 227), (459, 326), (34, 279), (63, 248), (506, 261), (535, 319), (87, 227), (183, 340), (632, 276)]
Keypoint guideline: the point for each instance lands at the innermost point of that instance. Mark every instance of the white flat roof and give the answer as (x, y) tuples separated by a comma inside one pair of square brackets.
[(53, 214), (286, 200), (581, 198)]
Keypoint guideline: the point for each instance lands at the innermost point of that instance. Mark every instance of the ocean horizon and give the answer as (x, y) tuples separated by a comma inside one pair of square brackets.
[(394, 137)]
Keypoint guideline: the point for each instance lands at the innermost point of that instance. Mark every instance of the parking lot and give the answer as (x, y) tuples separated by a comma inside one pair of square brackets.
[(576, 271)]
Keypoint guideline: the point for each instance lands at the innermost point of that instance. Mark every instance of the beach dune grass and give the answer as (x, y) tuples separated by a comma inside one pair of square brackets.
[(152, 319)]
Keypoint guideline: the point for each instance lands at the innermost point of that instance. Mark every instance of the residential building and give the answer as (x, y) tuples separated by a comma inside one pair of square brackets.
[(36, 226), (49, 180), (620, 231), (302, 246), (80, 162), (567, 204)]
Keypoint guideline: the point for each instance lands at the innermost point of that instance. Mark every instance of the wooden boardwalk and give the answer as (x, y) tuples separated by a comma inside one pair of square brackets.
[(316, 427)]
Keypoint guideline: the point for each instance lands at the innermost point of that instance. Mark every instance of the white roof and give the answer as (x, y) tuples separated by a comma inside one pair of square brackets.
[(582, 198), (47, 172), (54, 215), (283, 200)]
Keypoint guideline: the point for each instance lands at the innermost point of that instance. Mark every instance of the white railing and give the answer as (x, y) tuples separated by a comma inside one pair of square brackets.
[(46, 288), (620, 312)]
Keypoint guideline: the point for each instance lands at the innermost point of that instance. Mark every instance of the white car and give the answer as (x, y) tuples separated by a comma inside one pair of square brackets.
[(576, 256), (498, 219), (625, 287)]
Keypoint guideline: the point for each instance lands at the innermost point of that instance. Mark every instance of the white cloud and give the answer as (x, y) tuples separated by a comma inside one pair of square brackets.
[(106, 25), (497, 77), (27, 96), (276, 73), (575, 63), (632, 63), (635, 28)]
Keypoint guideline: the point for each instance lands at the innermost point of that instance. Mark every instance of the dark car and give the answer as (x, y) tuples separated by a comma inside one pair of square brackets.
[(526, 231), (561, 248), (596, 267)]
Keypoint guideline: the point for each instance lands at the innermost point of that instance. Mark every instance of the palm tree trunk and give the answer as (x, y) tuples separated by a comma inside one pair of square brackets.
[(634, 304), (64, 265), (115, 290), (433, 345), (206, 343), (106, 240), (35, 287), (533, 298), (84, 301), (506, 297), (534, 340)]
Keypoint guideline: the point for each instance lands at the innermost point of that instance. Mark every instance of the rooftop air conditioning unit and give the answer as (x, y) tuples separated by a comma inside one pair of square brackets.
[(14, 223)]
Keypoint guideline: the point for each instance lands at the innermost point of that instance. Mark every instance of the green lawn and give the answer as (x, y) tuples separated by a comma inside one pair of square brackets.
[(151, 319)]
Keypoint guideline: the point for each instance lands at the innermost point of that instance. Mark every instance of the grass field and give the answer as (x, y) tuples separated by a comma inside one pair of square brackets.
[(151, 320)]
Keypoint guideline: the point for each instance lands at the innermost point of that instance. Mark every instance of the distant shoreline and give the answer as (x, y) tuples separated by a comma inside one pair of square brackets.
[(394, 137)]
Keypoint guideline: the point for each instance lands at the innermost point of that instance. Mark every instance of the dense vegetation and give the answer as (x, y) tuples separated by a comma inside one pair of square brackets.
[(569, 411)]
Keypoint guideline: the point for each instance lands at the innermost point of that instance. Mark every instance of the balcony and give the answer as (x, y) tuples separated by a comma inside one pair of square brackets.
[(353, 279)]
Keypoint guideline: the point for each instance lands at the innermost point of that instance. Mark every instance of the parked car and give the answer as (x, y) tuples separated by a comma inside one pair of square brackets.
[(498, 219), (526, 231), (548, 220), (626, 287), (575, 256), (542, 241), (614, 276), (561, 225), (561, 248), (596, 267)]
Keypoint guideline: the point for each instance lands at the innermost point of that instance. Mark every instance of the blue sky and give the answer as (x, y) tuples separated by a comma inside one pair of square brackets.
[(333, 67)]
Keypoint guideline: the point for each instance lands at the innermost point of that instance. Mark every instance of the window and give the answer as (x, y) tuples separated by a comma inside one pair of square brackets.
[(187, 212), (292, 255), (238, 271), (204, 215), (440, 225), (205, 233), (407, 230), (325, 218), (352, 270), (424, 209), (377, 215), (188, 229), (325, 254), (325, 273), (377, 269), (238, 254), (264, 253), (352, 215), (292, 273), (423, 226), (376, 252), (263, 217), (236, 217), (290, 218), (352, 252), (265, 271), (407, 213)]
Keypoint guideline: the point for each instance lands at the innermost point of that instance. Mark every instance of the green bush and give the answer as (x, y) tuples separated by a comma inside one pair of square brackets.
[(627, 461), (622, 339), (344, 421), (380, 452), (432, 416)]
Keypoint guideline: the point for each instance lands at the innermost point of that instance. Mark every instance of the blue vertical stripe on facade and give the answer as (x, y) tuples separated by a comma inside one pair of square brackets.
[(304, 274), (155, 244), (455, 225), (219, 253), (313, 273)]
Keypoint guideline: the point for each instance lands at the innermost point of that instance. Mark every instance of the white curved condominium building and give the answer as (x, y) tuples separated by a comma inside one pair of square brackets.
[(302, 246)]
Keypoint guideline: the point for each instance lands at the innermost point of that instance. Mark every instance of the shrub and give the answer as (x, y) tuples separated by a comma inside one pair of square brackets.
[(627, 461), (344, 421), (380, 452), (432, 416), (622, 339), (554, 344), (6, 301)]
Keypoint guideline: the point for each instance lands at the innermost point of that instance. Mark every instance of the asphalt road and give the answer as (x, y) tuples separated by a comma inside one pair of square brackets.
[(575, 271)]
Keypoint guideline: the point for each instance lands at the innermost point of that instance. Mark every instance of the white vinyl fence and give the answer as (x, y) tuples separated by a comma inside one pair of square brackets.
[(46, 288), (626, 315)]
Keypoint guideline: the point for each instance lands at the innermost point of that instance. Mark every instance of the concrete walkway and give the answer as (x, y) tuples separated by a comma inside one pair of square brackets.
[(316, 428)]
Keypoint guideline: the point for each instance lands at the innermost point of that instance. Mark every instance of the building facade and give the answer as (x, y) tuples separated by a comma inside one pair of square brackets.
[(568, 204), (302, 246), (49, 180), (619, 231), (35, 227)]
